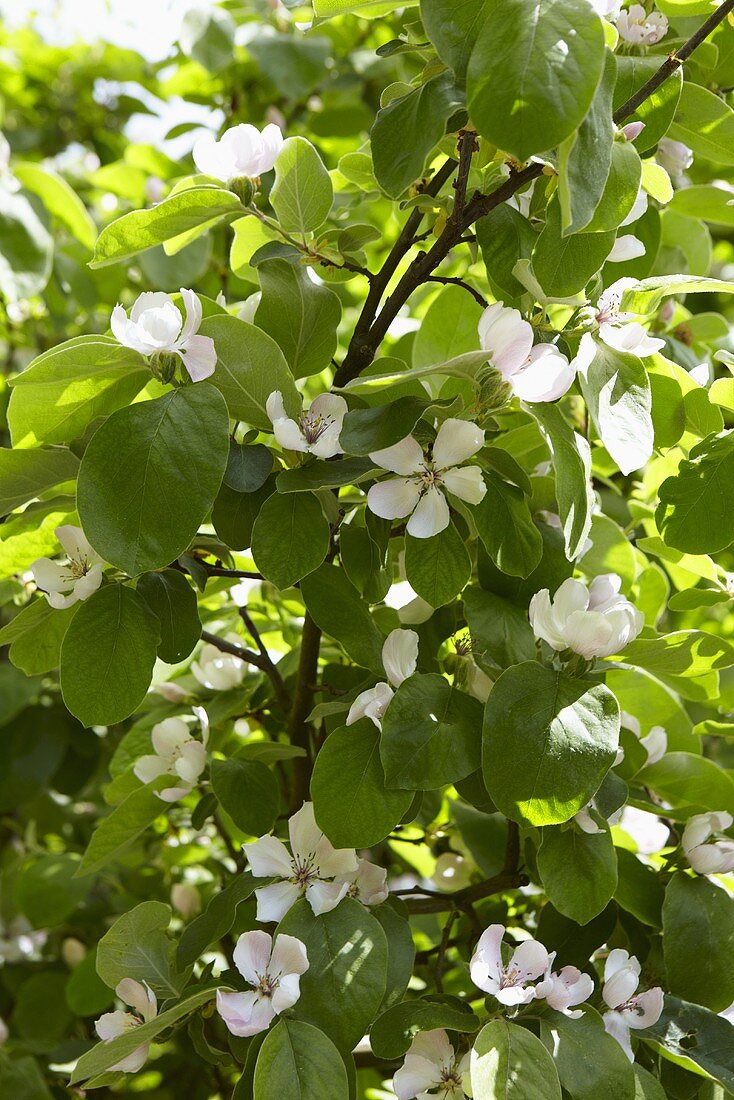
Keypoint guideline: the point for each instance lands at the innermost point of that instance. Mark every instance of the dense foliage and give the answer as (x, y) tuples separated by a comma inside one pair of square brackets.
[(366, 570)]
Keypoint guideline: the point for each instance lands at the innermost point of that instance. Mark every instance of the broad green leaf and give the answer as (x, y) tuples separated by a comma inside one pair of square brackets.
[(297, 1059), (136, 946), (290, 537), (123, 825), (696, 511), (564, 265), (646, 295), (453, 27), (430, 734), (616, 389), (337, 608), (510, 1062), (32, 745), (620, 191), (22, 1079), (302, 193), (325, 474), (301, 317), (172, 600), (698, 941), (247, 467), (150, 475), (60, 200), (250, 366), (504, 237), (35, 636), (657, 109), (579, 871), (107, 656), (234, 514), (585, 157), (394, 1031), (681, 653), (696, 1039), (374, 429), (548, 743), (705, 201), (216, 920), (705, 123), (639, 890), (248, 791), (439, 567), (500, 631), (685, 779), (342, 989), (370, 9), (86, 994), (46, 891), (24, 475), (394, 917), (26, 247), (423, 114), (351, 802), (448, 328), (506, 528), (186, 214), (590, 1063), (207, 36), (571, 459), (67, 387), (533, 73)]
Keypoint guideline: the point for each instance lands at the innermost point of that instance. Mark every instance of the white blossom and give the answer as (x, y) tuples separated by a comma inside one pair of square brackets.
[(66, 583), (594, 622), (219, 671), (20, 941), (312, 868), (242, 150), (432, 1068), (627, 1008), (155, 326), (564, 989), (649, 833), (540, 373), (367, 884), (639, 207), (177, 753), (618, 329), (399, 659), (706, 855), (315, 431), (185, 899), (608, 9), (248, 309), (112, 1024), (509, 983), (273, 968), (626, 247), (425, 478), (675, 157), (639, 28)]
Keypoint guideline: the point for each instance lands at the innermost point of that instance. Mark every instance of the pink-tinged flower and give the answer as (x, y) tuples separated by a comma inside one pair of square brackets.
[(564, 989), (627, 1008), (432, 1068), (425, 478), (219, 671), (640, 29), (618, 329), (706, 855), (510, 983), (675, 157), (242, 151), (312, 868), (155, 326), (315, 431), (176, 753), (399, 658), (632, 130), (540, 373), (594, 622), (113, 1024), (274, 970), (367, 884), (65, 584)]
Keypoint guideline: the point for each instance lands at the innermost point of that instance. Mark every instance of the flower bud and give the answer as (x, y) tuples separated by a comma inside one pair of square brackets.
[(73, 952), (185, 899), (632, 130)]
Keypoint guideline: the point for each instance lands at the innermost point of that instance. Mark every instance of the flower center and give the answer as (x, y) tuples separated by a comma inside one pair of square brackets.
[(266, 985), (304, 872), (313, 426), (450, 1079), (510, 977)]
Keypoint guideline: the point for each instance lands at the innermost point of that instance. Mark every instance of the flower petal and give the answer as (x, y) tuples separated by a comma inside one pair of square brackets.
[(325, 896), (394, 499), (274, 901), (199, 357), (245, 1013), (405, 457), (456, 441), (289, 956), (466, 483), (431, 515), (400, 655), (252, 955), (268, 857)]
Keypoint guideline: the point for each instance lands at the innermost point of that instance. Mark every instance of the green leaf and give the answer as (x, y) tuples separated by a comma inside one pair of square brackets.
[(439, 567), (248, 791), (616, 389), (301, 317), (688, 653), (370, 9), (104, 1055), (186, 214), (298, 1060), (394, 1031), (579, 871), (26, 247), (302, 193), (689, 780), (150, 475), (32, 745), (234, 514), (60, 200), (393, 916), (698, 940), (107, 656), (46, 891), (66, 388), (207, 36), (126, 822), (24, 475), (351, 802), (423, 114), (216, 920), (373, 429), (504, 236), (337, 608), (639, 890), (533, 73), (548, 743), (453, 27), (430, 734), (585, 157), (250, 366), (290, 538), (35, 636), (571, 459), (696, 1039), (590, 1063), (343, 987), (22, 1079), (705, 123), (564, 265), (448, 329), (696, 511), (500, 631), (173, 601), (136, 946), (510, 1062), (506, 528), (325, 474), (620, 191), (247, 467), (657, 110)]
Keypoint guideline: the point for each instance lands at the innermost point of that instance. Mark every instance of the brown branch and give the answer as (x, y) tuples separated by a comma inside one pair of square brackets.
[(451, 281), (298, 730), (263, 662), (463, 899), (271, 669)]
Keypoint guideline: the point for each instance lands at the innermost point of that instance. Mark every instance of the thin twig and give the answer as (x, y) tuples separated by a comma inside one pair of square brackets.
[(259, 660), (451, 281), (271, 668)]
